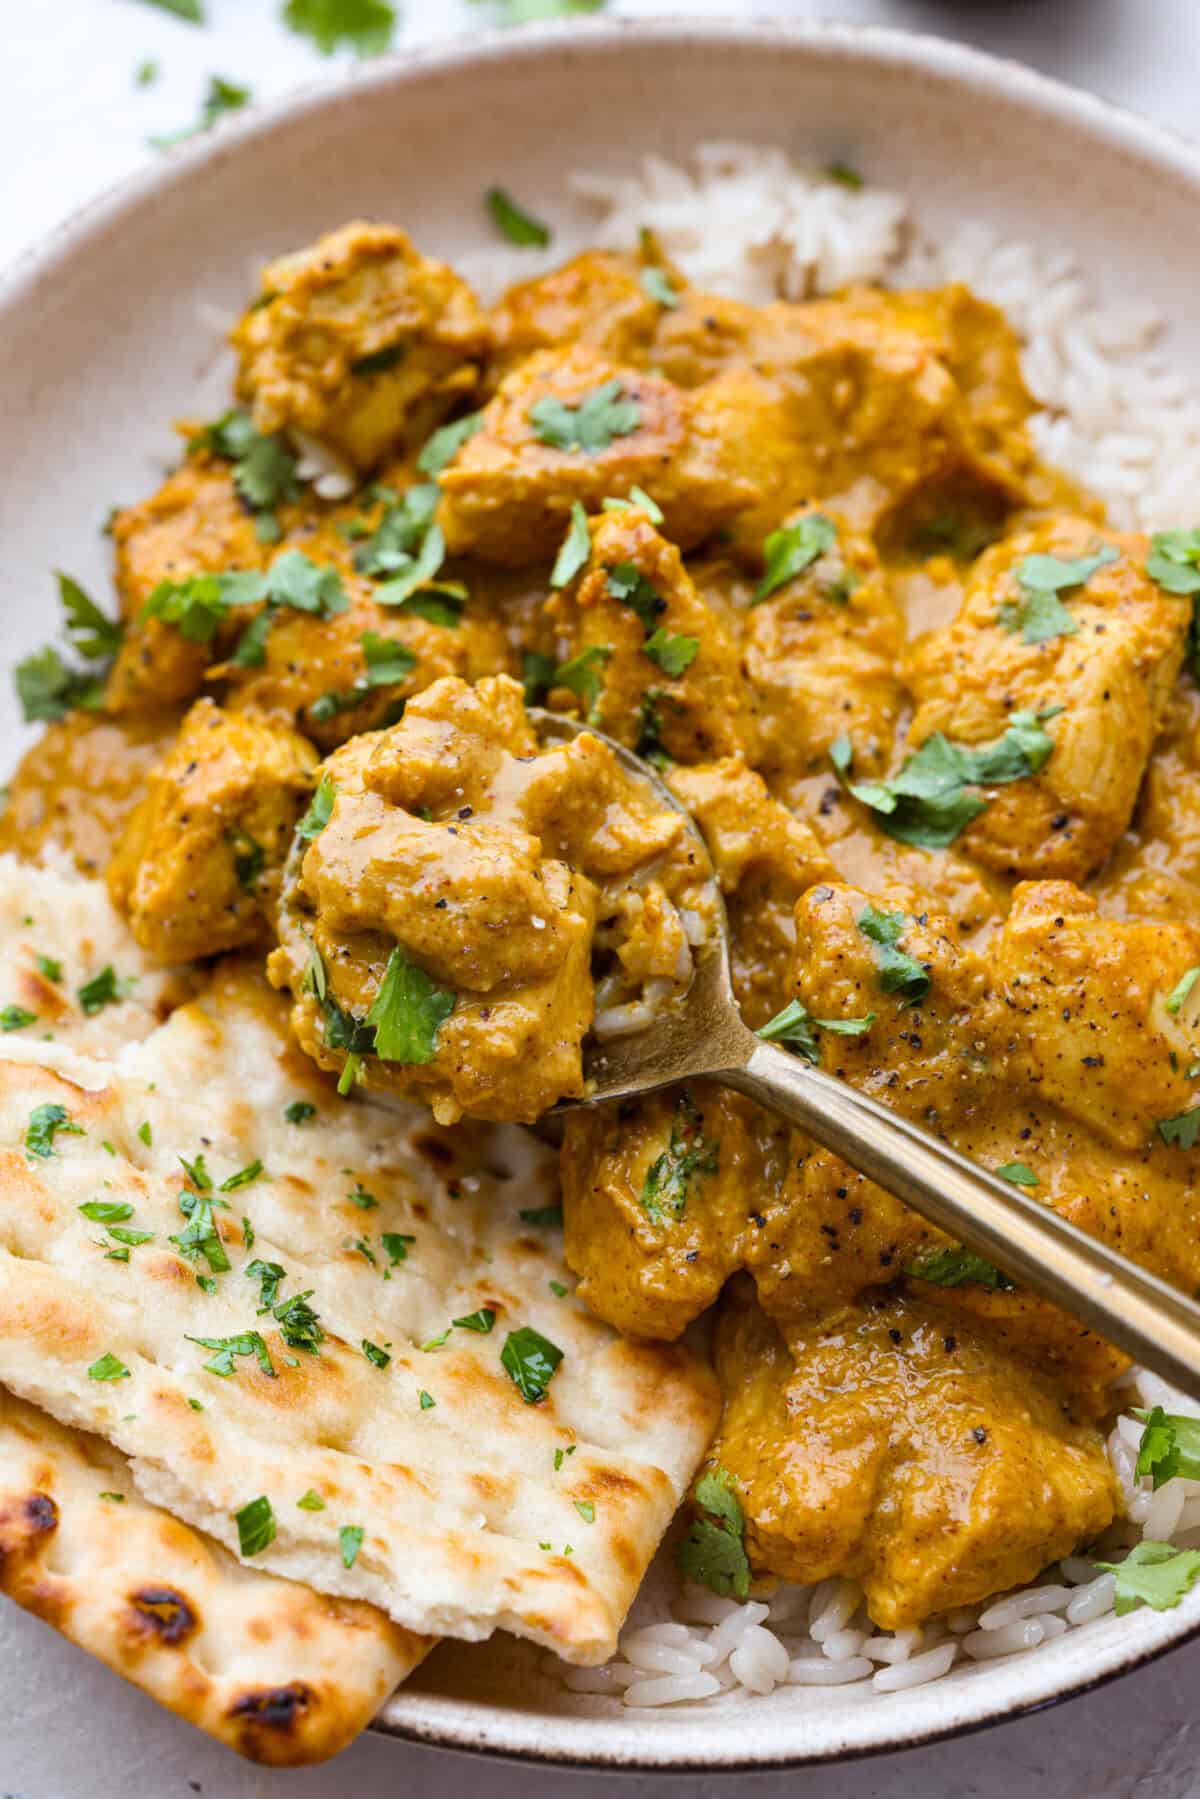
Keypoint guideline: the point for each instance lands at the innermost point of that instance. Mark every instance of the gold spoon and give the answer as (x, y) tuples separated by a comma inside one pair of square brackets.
[(704, 1038)]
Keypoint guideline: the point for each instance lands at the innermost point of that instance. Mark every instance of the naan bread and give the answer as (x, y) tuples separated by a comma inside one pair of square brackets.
[(445, 1499), (277, 1672)]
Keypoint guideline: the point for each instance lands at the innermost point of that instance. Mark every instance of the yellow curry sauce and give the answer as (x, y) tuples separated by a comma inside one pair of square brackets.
[(926, 709)]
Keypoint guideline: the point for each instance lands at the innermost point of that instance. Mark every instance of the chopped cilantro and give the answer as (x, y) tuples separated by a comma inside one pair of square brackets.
[(145, 1133), (116, 1498), (379, 361), (256, 1526), (1170, 1446), (249, 859), (387, 661), (299, 1325), (191, 10), (627, 584), (1182, 1130), (45, 1123), (222, 97), (584, 676), (107, 1211), (657, 284), (408, 1012), (373, 1353), (1041, 614), (109, 1367), (395, 1246), (350, 1540), (531, 1362), (935, 794), (365, 26), (299, 1111), (264, 469), (673, 654), (319, 812), (576, 548), (796, 1028), (1182, 988), (713, 1553), (197, 1173), (131, 1239), (92, 632), (246, 1343), (952, 1267), (542, 1217), (513, 222), (898, 972), (846, 175), (1174, 561), (649, 744), (444, 445), (790, 550), (537, 676), (1153, 1574), (201, 1237), (48, 967), (592, 425), (15, 1018), (1019, 1173), (480, 1321), (102, 990), (586, 1510), (311, 1502), (366, 1202), (688, 1155), (200, 605), (148, 70), (427, 1401), (243, 1178), (47, 686), (271, 1276), (558, 1290)]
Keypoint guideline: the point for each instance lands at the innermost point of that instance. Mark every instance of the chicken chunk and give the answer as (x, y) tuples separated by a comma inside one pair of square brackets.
[(198, 865), (570, 425), (664, 665), (600, 298), (361, 342), (905, 1448), (456, 895), (1061, 623)]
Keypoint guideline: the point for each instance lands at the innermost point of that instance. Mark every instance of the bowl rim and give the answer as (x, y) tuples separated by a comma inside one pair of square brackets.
[(520, 1737)]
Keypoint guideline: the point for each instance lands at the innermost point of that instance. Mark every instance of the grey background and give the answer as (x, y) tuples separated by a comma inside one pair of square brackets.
[(70, 124)]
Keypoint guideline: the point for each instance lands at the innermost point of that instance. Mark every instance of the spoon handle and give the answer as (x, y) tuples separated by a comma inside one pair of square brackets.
[(1029, 1242)]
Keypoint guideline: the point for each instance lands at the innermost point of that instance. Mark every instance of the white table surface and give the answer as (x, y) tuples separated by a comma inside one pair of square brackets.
[(72, 123)]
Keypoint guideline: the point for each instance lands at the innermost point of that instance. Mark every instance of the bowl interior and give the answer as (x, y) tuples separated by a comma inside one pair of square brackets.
[(112, 331)]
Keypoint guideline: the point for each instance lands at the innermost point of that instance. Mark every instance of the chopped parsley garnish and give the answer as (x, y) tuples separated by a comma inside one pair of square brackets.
[(197, 1173), (107, 1211), (374, 1354), (1174, 561), (271, 1275), (365, 26), (1182, 1130), (446, 442), (674, 654), (395, 1245), (935, 796), (319, 812), (130, 1239), (586, 1510), (657, 284), (201, 1238), (350, 1540), (47, 686), (299, 1111), (264, 469), (1041, 614), (480, 1321), (790, 550), (109, 1367), (294, 580), (1153, 1574), (299, 1325), (592, 425), (396, 543), (311, 1502), (222, 97), (200, 605), (952, 1267), (584, 676), (246, 1343), (688, 1156), (243, 1178), (531, 1362), (15, 1018), (797, 1028), (256, 1526), (542, 1217), (45, 1124), (427, 1401), (513, 222), (102, 990), (576, 548), (408, 1012), (1170, 1446), (898, 972), (713, 1553), (47, 966), (1020, 1174), (627, 584), (1182, 988), (366, 1202)]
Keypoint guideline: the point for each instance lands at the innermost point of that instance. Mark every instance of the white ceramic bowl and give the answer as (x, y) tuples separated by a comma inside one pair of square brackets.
[(101, 343)]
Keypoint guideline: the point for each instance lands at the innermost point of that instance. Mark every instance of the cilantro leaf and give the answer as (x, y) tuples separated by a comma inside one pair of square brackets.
[(689, 1154), (637, 497), (1174, 561), (366, 26), (592, 425), (109, 1367), (795, 1027), (407, 1012), (243, 1178), (201, 1237), (513, 222), (1182, 1130), (319, 812), (537, 676), (480, 1321), (1040, 579), (933, 797), (713, 1553), (576, 548), (48, 688), (102, 990), (264, 469), (45, 1124), (93, 633), (15, 1018), (525, 12), (256, 1526), (583, 675), (350, 1540), (1020, 1174), (106, 1211), (790, 550), (657, 284), (531, 1362), (898, 971), (299, 1111), (311, 1502), (295, 580), (271, 1275), (191, 10), (246, 1343), (427, 1401), (222, 97), (1181, 989), (379, 1357), (951, 1267), (673, 654), (1170, 1446), (445, 443), (200, 605), (1153, 1574), (627, 584)]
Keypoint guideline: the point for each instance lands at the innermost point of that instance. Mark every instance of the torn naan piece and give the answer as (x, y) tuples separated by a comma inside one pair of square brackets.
[(283, 1675), (343, 1342), (70, 973)]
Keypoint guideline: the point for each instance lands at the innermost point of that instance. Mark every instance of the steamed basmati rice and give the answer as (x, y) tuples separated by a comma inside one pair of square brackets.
[(746, 223)]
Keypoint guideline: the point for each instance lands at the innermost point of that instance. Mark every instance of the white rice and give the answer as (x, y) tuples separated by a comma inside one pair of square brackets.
[(746, 223)]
